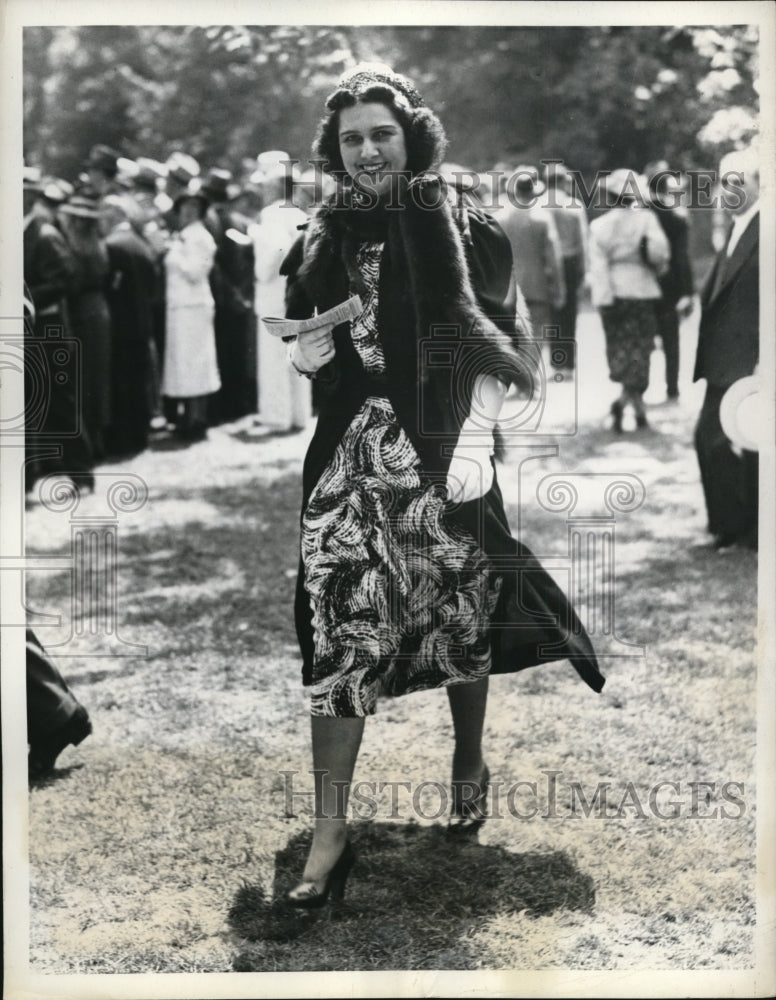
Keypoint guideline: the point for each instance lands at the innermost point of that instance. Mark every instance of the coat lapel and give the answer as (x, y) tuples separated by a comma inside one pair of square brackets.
[(726, 268)]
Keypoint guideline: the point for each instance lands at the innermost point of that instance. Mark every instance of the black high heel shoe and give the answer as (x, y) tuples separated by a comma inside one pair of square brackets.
[(468, 815), (307, 895)]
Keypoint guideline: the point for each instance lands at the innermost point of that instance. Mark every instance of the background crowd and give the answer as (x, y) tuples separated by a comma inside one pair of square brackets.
[(148, 280), (147, 275)]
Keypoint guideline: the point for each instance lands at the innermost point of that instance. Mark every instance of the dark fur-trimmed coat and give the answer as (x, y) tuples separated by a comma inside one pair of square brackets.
[(446, 313)]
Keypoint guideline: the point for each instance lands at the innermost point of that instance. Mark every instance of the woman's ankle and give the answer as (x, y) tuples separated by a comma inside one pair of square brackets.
[(329, 839), (468, 767)]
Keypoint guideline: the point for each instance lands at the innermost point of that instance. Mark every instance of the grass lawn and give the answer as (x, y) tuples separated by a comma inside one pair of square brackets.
[(164, 842)]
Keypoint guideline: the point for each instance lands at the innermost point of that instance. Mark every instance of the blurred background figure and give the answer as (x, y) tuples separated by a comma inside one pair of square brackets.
[(102, 167), (181, 172), (190, 366), (132, 291), (570, 218), (56, 438), (728, 350), (232, 283), (89, 313), (495, 185), (247, 202), (467, 182), (149, 223), (628, 250), (284, 398), (536, 253), (146, 187), (676, 283), (312, 188)]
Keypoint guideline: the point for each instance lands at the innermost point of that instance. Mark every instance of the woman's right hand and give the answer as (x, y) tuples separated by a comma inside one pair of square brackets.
[(312, 350)]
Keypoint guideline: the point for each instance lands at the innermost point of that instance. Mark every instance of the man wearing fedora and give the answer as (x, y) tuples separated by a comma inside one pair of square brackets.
[(536, 252), (676, 283), (102, 168), (232, 283), (88, 311), (149, 223), (56, 438), (728, 350), (133, 286)]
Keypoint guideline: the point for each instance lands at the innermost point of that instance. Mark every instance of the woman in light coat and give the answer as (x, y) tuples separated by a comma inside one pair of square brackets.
[(190, 366), (285, 401), (628, 251)]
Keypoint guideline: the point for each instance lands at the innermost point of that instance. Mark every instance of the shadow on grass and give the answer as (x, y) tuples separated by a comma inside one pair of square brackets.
[(668, 435), (413, 901), (169, 442), (260, 433), (53, 776)]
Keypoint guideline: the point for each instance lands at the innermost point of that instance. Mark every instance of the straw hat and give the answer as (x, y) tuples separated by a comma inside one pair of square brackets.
[(82, 206)]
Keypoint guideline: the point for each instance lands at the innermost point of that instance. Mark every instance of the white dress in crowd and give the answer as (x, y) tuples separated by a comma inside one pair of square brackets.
[(285, 400), (190, 365)]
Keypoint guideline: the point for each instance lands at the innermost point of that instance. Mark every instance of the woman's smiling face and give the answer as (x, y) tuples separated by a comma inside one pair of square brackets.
[(371, 142)]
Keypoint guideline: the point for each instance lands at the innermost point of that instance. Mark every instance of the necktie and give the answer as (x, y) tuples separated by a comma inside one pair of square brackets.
[(720, 267)]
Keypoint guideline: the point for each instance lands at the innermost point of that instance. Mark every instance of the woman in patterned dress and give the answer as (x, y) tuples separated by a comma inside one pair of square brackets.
[(628, 250), (409, 577)]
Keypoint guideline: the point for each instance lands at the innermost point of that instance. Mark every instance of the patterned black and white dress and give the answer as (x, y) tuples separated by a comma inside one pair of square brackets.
[(401, 598)]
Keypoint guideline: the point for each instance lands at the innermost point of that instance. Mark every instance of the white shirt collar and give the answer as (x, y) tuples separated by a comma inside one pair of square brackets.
[(740, 224)]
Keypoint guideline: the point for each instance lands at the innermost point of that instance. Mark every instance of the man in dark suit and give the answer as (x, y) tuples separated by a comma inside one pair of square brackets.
[(55, 435), (676, 284), (536, 252), (728, 350), (132, 290), (232, 281)]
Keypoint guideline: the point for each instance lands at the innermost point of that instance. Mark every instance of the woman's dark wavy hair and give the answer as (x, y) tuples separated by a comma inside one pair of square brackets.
[(424, 134)]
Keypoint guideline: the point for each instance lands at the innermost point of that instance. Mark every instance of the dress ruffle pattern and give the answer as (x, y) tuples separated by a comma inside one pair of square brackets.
[(401, 598)]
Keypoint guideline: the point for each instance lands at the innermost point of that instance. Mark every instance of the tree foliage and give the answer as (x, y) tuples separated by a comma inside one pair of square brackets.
[(597, 97)]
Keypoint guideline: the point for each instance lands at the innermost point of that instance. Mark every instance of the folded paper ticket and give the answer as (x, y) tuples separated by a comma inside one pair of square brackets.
[(348, 309)]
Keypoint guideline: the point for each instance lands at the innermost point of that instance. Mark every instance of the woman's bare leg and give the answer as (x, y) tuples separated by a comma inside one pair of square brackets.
[(336, 742), (467, 706)]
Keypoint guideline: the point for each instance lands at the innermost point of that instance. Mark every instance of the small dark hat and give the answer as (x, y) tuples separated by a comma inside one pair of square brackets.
[(148, 174), (202, 200), (182, 167), (81, 205), (103, 158), (217, 184), (366, 75), (527, 180)]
